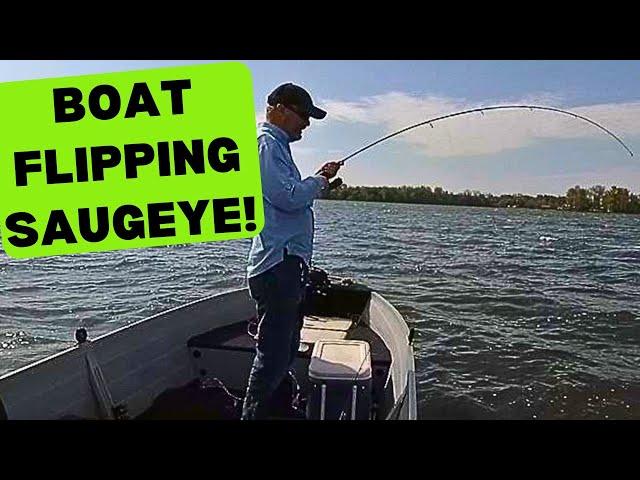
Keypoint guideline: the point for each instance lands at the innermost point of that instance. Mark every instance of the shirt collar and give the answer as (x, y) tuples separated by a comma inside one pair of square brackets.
[(277, 132)]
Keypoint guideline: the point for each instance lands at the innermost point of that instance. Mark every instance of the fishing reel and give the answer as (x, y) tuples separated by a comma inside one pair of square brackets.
[(336, 183), (333, 185)]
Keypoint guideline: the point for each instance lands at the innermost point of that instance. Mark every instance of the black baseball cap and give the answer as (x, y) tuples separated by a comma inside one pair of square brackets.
[(295, 96)]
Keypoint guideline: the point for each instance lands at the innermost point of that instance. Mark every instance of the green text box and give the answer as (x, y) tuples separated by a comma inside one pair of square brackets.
[(174, 135)]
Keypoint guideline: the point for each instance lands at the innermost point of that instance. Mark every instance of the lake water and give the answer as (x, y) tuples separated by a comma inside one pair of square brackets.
[(519, 314)]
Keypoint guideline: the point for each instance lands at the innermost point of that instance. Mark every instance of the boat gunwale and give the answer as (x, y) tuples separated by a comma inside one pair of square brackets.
[(408, 364), (78, 347)]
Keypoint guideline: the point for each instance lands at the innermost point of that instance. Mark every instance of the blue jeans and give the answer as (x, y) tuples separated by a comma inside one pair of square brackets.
[(279, 296)]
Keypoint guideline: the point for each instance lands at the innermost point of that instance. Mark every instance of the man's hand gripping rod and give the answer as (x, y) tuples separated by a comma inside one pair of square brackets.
[(337, 181)]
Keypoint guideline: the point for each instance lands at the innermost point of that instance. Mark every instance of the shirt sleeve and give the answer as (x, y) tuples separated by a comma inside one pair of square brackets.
[(279, 185)]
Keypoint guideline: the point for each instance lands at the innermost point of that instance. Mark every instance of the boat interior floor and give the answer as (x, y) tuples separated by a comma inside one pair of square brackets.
[(207, 397)]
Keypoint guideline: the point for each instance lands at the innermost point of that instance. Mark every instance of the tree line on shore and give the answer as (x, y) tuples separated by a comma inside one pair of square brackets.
[(597, 198)]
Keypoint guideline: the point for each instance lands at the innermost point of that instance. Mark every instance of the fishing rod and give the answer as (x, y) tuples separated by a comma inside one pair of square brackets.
[(482, 110)]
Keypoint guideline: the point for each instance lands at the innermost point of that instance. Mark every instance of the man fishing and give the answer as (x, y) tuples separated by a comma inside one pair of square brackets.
[(280, 256)]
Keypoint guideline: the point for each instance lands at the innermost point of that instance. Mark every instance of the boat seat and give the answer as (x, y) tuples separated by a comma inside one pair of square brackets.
[(316, 328), (235, 337), (328, 323), (226, 353)]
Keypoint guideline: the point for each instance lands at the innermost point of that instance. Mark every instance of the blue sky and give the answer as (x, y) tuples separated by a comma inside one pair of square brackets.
[(502, 152)]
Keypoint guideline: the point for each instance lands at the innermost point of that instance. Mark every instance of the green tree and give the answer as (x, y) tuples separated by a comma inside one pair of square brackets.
[(597, 195), (578, 199)]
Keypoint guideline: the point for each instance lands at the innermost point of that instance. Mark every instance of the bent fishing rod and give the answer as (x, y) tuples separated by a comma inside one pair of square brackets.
[(481, 110)]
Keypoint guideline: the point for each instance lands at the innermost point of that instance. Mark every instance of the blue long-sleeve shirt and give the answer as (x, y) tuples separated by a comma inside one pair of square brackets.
[(287, 200)]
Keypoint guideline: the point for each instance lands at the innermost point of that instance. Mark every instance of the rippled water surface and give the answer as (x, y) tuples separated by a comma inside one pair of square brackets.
[(519, 314)]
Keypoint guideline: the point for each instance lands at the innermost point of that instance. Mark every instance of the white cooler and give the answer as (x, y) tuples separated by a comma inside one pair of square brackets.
[(340, 380)]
